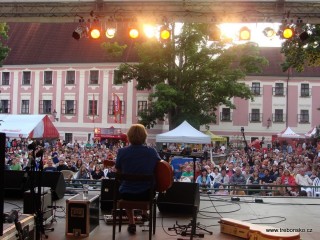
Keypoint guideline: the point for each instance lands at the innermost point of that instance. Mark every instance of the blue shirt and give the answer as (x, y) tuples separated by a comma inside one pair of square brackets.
[(136, 159)]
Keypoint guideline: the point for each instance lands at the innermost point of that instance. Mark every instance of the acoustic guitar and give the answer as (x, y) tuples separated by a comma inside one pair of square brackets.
[(164, 176)]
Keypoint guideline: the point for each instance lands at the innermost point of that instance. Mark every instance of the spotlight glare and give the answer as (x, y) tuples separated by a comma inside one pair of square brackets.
[(134, 33), (244, 34), (110, 32), (95, 33), (148, 30)]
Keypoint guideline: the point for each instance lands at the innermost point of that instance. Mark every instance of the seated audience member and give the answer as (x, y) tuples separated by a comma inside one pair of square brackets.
[(97, 174), (288, 179), (221, 191), (15, 164), (304, 181), (254, 182), (187, 175), (111, 174), (222, 179), (49, 167), (71, 167), (204, 181), (83, 173), (267, 180), (62, 166), (238, 179), (214, 174)]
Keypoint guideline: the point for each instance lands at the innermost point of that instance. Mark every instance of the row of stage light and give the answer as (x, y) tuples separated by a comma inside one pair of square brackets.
[(95, 31)]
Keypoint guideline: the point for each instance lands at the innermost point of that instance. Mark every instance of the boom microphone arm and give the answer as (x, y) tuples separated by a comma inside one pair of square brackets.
[(246, 148)]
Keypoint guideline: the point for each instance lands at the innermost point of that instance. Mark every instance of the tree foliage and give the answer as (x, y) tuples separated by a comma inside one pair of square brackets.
[(4, 50), (303, 49), (191, 76)]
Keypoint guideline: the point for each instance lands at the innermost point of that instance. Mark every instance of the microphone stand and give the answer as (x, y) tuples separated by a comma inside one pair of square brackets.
[(246, 148)]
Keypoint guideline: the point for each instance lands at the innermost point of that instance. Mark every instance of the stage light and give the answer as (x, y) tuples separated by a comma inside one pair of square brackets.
[(304, 36), (269, 32), (165, 33), (287, 33), (80, 32), (134, 33), (110, 32), (244, 34), (95, 33)]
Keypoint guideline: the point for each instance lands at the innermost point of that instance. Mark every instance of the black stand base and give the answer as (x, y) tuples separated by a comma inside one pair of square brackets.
[(186, 230)]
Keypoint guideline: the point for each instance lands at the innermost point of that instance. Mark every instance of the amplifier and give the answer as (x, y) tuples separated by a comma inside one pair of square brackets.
[(29, 203), (82, 215)]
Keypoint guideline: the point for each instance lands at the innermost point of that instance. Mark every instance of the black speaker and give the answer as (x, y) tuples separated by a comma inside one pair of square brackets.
[(181, 198), (106, 196), (54, 180), (15, 183)]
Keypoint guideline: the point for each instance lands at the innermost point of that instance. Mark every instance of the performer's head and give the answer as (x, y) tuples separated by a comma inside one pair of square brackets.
[(137, 134)]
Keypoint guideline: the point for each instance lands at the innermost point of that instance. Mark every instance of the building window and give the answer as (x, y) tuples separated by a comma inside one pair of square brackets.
[(26, 78), (93, 107), (117, 78), (111, 107), (70, 78), (47, 79), (225, 115), (25, 107), (304, 116), (255, 115), (278, 115), (305, 90), (94, 77), (279, 89), (5, 78), (255, 88), (45, 106), (69, 107), (142, 106), (68, 137), (5, 106)]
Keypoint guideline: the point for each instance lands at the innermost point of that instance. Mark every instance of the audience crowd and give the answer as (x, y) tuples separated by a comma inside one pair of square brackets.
[(283, 169)]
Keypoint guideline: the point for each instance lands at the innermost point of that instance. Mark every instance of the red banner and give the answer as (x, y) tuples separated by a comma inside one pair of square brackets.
[(117, 108)]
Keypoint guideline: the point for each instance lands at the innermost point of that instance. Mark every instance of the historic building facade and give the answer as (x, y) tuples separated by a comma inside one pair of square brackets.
[(76, 84)]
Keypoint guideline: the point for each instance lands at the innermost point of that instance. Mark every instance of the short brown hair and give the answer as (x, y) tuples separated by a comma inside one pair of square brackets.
[(137, 134)]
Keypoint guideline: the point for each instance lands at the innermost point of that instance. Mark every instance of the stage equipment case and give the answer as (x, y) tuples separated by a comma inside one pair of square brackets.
[(27, 226), (82, 215)]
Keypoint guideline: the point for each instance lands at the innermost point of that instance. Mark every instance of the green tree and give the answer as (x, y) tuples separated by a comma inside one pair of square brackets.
[(4, 50), (303, 49), (191, 76)]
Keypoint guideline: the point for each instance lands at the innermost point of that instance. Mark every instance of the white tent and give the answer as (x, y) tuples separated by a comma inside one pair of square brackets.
[(184, 133), (289, 133), (27, 126), (311, 132)]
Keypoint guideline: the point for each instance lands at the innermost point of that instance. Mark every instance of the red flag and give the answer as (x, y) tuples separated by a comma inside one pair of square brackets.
[(117, 108)]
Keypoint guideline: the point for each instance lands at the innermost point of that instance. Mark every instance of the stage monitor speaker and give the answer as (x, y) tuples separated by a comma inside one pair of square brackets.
[(55, 181), (2, 162), (15, 183), (181, 198), (106, 196)]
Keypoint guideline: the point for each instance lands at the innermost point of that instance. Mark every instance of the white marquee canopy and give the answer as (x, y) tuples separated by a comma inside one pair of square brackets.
[(184, 133)]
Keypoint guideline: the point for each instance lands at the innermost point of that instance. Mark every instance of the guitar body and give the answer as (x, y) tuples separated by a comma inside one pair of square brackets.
[(164, 176)]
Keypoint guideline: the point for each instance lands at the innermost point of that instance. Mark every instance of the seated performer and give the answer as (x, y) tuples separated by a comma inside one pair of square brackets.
[(137, 158)]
